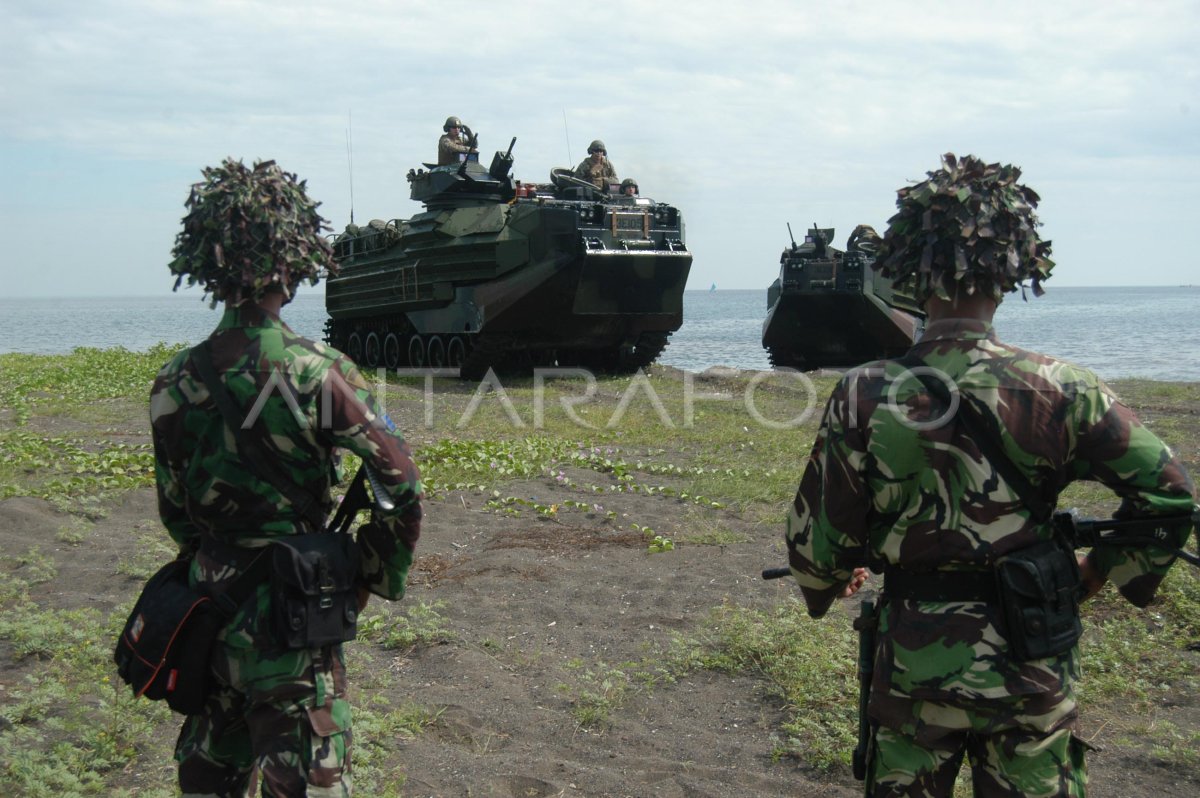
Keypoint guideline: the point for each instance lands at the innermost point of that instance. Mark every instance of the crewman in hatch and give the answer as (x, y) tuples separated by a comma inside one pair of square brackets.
[(596, 168), (456, 139)]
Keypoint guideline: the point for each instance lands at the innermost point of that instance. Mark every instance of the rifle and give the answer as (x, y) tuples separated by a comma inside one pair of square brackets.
[(356, 499), (866, 623), (1147, 531)]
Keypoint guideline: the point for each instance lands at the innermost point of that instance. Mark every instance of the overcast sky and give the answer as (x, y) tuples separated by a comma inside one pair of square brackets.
[(746, 115)]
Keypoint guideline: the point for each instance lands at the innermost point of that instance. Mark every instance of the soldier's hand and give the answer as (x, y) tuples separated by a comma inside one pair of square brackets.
[(1091, 578), (857, 580)]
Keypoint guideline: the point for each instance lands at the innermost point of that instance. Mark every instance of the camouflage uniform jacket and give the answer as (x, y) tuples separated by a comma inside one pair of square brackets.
[(877, 491), (449, 148), (599, 174), (307, 399)]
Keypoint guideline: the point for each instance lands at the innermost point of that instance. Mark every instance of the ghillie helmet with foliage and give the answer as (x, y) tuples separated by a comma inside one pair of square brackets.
[(971, 227), (249, 232)]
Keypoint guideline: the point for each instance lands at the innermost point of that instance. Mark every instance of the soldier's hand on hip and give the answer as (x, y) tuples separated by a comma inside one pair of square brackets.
[(1091, 578), (857, 580)]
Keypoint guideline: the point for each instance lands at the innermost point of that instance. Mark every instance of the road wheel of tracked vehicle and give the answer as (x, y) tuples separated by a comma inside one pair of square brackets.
[(648, 347), (785, 360), (437, 352), (372, 350), (392, 351), (354, 347), (416, 352), (456, 352)]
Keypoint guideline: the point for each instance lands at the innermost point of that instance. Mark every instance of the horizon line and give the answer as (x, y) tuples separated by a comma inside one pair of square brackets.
[(201, 298)]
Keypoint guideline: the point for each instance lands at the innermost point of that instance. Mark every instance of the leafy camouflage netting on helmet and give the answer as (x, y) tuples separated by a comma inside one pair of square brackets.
[(970, 226), (250, 231)]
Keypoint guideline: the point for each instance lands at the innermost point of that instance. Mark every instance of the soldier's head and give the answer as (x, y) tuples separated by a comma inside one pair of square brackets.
[(629, 187), (970, 229), (250, 232), (452, 122), (597, 150)]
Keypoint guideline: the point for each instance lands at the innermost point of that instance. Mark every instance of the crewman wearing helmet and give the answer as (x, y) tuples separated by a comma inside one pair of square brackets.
[(596, 168), (455, 141), (629, 187), (277, 712)]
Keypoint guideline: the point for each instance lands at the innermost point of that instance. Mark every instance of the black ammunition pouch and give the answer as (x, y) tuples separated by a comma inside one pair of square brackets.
[(1039, 589), (313, 597)]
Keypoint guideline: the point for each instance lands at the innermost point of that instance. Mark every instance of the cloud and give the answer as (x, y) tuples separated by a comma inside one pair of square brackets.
[(746, 116)]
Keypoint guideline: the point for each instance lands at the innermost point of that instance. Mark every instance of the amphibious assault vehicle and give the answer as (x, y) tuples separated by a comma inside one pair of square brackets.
[(829, 309), (499, 274)]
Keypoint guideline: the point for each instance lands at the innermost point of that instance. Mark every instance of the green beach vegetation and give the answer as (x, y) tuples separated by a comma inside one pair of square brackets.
[(691, 467)]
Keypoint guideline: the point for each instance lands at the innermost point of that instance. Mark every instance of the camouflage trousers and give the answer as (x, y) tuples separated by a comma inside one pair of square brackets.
[(1011, 755), (276, 718)]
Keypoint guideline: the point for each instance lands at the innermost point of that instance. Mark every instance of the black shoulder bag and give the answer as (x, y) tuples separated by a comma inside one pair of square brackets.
[(164, 647), (1039, 586)]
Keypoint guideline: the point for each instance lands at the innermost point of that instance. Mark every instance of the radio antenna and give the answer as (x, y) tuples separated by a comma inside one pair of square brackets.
[(350, 158), (567, 134)]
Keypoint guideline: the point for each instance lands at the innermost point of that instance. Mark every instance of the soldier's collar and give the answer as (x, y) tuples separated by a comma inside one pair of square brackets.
[(969, 329), (248, 314)]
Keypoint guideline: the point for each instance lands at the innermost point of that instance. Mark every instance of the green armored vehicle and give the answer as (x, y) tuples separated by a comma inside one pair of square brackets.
[(499, 274), (829, 309)]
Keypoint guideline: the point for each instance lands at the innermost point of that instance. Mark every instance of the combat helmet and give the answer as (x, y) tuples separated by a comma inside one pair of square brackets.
[(627, 182), (970, 227), (451, 121), (597, 146), (249, 232)]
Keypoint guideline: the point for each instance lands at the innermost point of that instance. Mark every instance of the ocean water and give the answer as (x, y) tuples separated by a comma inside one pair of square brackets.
[(1144, 332)]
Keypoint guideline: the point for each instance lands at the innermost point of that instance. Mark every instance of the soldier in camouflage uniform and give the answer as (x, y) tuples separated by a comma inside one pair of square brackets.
[(897, 482), (277, 716), (596, 168)]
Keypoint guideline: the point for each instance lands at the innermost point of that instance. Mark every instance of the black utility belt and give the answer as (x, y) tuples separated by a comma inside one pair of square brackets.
[(1036, 588), (908, 585)]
